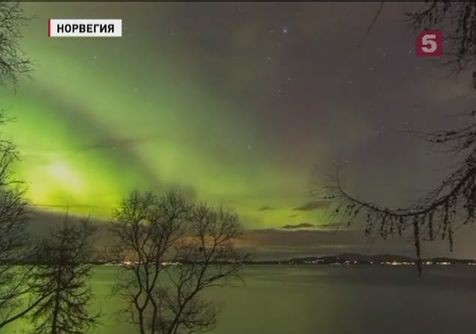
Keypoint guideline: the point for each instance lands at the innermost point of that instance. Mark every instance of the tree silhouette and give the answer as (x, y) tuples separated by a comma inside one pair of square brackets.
[(453, 202), (146, 228), (62, 275), (207, 258), (14, 250), (13, 64), (14, 243), (153, 233)]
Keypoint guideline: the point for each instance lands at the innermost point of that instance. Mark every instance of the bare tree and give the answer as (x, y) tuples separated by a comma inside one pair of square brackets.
[(173, 251), (452, 203), (62, 275), (436, 215), (14, 302), (207, 258), (14, 249), (12, 61), (14, 275), (146, 228)]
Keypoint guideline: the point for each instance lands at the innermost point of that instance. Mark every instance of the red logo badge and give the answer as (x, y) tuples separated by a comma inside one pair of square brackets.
[(428, 43)]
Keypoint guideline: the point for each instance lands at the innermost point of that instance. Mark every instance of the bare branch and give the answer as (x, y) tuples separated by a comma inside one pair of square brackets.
[(59, 281), (173, 250), (436, 213), (13, 64), (458, 21)]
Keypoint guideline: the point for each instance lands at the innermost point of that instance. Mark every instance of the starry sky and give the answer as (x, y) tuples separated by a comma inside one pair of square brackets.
[(239, 105)]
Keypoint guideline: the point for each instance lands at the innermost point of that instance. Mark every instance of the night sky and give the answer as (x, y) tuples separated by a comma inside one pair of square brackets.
[(236, 105)]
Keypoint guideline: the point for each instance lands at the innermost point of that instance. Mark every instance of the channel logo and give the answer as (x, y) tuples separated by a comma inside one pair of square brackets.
[(84, 28), (428, 43)]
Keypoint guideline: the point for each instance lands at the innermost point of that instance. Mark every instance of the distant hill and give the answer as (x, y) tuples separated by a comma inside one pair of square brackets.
[(361, 259)]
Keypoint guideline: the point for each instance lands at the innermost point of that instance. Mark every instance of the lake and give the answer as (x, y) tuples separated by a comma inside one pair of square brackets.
[(278, 299)]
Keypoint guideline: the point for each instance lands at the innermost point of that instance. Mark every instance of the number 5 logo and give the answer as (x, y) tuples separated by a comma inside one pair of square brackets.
[(428, 43)]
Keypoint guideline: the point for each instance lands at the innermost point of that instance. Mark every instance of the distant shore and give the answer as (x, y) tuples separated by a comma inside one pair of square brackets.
[(359, 259), (337, 260)]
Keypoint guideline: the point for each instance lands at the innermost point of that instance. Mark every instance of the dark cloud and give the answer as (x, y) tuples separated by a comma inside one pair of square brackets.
[(326, 226), (117, 143), (333, 226), (313, 205), (284, 244), (298, 226), (105, 143), (265, 208), (42, 221)]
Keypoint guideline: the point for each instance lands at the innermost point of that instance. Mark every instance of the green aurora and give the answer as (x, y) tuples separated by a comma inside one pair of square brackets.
[(101, 117)]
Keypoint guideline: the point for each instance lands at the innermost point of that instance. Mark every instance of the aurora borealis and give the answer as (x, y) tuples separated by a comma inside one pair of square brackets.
[(101, 118), (234, 104)]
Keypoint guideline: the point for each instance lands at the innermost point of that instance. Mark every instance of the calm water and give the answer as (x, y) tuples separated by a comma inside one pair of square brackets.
[(328, 300)]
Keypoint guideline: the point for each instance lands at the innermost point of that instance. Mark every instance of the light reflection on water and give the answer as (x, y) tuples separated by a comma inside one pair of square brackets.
[(329, 300)]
